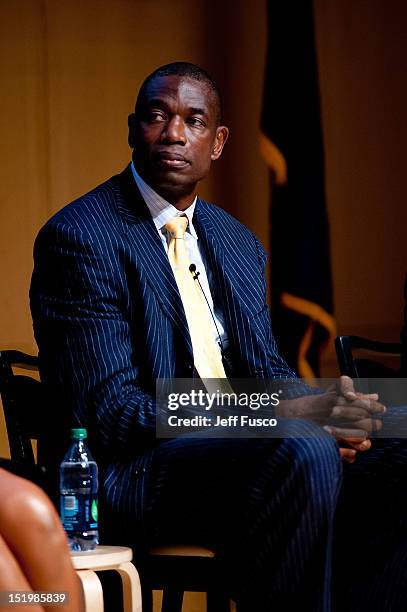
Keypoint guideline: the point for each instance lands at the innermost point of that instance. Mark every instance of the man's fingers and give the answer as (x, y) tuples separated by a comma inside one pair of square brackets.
[(356, 439), (358, 445), (346, 388), (373, 396), (367, 424), (349, 413), (348, 454), (369, 404), (364, 402), (341, 433)]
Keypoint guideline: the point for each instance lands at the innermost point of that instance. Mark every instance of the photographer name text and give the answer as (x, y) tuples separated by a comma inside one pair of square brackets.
[(230, 421)]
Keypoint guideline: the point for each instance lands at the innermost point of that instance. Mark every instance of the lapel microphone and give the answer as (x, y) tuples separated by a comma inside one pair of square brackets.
[(195, 274)]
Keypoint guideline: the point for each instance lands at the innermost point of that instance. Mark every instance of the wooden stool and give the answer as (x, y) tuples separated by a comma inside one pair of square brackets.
[(179, 568), (116, 558)]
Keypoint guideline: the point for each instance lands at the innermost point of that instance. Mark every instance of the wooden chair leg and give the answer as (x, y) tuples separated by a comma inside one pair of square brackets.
[(131, 587), (172, 600), (92, 590), (147, 598), (217, 601)]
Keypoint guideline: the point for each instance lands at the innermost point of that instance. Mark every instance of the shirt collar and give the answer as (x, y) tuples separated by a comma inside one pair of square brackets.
[(161, 210)]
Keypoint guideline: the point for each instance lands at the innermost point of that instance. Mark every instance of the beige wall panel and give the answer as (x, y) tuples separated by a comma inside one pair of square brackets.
[(363, 67), (98, 54), (236, 56), (23, 161)]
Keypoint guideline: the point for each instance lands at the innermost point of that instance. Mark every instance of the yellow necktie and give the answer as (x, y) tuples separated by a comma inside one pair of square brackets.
[(207, 358)]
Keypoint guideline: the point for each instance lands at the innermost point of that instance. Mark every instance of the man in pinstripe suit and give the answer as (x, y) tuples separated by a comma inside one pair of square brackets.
[(109, 321)]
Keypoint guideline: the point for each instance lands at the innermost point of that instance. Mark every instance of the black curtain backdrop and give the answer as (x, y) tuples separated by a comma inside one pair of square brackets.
[(293, 147)]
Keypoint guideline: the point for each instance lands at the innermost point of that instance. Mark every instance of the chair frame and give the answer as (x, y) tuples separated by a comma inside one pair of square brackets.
[(345, 345), (19, 437)]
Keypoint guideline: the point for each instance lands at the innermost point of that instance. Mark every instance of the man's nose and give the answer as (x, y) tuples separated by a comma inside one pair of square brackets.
[(174, 131)]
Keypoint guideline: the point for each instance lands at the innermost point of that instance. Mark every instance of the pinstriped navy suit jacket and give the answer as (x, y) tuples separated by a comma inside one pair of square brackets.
[(109, 320)]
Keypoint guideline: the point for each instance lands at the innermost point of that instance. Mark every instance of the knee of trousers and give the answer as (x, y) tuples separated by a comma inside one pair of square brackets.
[(314, 459)]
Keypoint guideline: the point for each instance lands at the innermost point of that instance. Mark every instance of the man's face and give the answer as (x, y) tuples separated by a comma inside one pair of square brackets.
[(175, 135)]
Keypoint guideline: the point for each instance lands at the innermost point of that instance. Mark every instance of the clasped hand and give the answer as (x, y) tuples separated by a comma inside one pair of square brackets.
[(348, 415)]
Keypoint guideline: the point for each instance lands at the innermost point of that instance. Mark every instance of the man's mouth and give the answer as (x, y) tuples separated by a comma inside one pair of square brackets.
[(172, 160)]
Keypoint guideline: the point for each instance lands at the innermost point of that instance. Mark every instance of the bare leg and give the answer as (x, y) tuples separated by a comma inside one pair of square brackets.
[(12, 578), (34, 544)]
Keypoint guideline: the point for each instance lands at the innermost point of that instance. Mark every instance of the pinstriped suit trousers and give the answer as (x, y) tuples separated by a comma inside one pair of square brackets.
[(265, 505)]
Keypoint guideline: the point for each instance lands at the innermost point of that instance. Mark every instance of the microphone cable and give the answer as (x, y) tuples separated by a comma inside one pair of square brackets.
[(195, 275)]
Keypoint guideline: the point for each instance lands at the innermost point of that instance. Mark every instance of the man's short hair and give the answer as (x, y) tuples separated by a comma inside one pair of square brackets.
[(185, 69)]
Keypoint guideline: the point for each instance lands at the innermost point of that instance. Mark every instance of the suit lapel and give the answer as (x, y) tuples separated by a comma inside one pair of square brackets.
[(208, 237), (146, 244), (213, 236), (234, 276), (223, 257)]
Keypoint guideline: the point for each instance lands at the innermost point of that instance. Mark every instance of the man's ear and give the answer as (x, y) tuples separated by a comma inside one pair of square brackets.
[(131, 121), (222, 133)]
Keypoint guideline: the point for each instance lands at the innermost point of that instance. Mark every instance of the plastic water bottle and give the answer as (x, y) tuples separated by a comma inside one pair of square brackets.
[(78, 486)]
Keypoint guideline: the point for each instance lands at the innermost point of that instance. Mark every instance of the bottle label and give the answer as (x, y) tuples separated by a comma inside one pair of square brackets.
[(70, 505), (94, 510), (79, 513)]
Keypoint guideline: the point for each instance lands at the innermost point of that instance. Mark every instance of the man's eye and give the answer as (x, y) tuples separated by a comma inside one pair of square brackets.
[(156, 116), (196, 122)]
